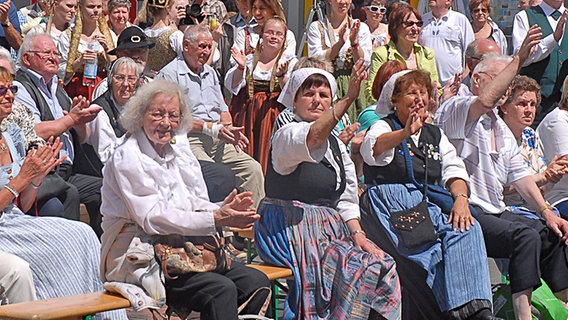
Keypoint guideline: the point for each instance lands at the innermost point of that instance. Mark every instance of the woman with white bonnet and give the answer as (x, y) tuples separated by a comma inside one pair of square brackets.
[(310, 216), (401, 153)]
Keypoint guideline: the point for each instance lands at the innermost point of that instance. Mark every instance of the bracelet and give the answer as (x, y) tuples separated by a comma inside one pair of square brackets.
[(35, 186), (240, 68), (12, 190), (354, 233), (462, 195), (279, 75), (355, 45), (334, 114), (546, 206)]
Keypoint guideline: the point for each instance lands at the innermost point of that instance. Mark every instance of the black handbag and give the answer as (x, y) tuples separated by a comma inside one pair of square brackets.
[(413, 225)]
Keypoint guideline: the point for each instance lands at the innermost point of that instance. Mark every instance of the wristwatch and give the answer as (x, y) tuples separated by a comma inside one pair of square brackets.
[(6, 25)]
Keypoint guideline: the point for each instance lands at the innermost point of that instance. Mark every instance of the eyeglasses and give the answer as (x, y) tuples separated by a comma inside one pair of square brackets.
[(122, 78), (160, 116), (276, 34), (375, 9), (408, 24), (4, 90), (46, 54)]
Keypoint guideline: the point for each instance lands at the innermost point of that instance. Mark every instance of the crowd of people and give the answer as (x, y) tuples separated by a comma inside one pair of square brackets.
[(386, 165)]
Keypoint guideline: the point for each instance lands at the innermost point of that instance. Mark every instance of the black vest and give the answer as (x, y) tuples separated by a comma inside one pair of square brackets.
[(396, 172), (112, 111), (83, 161), (312, 183)]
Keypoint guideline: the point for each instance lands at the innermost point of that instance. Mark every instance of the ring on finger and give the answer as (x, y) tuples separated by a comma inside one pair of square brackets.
[(44, 162)]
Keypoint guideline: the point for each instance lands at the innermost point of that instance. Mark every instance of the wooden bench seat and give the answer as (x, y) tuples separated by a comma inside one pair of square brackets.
[(67, 308), (272, 272)]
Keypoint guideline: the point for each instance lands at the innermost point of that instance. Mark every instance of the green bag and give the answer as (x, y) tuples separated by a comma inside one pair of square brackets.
[(545, 306)]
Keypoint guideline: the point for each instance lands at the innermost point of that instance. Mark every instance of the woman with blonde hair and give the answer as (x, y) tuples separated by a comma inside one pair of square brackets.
[(257, 80), (248, 38), (91, 38)]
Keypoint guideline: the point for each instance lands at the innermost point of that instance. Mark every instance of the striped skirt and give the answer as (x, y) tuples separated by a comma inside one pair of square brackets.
[(332, 278), (64, 255), (456, 263)]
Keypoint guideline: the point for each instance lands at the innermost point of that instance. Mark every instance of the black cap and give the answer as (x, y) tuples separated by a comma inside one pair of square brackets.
[(132, 37)]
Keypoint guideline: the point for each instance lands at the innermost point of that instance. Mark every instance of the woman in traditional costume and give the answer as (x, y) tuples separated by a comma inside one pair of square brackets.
[(90, 38), (257, 80)]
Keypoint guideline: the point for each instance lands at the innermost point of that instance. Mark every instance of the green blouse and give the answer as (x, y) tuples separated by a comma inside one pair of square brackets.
[(424, 58)]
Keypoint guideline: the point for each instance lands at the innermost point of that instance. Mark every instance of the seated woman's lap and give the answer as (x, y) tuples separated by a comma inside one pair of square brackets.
[(215, 295)]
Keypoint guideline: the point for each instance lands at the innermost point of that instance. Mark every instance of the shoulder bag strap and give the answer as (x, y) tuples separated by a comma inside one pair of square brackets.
[(408, 160)]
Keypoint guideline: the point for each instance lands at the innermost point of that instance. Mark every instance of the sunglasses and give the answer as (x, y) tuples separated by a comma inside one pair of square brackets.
[(375, 9), (408, 24), (4, 90)]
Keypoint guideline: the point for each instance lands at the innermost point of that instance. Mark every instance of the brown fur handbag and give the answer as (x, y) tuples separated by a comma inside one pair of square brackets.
[(192, 254)]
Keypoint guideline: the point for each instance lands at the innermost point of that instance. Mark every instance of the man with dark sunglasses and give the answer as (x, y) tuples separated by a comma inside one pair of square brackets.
[(448, 33)]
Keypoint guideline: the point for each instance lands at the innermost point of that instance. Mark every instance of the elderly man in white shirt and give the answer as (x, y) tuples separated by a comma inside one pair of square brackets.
[(448, 33), (544, 64), (536, 248)]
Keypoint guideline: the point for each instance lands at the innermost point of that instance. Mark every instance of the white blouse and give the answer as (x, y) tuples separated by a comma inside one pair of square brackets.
[(162, 195), (452, 165), (257, 73), (102, 137), (315, 45), (289, 150)]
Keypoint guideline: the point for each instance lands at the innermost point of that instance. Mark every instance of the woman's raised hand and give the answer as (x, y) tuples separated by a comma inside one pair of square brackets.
[(358, 74), (239, 56), (354, 32), (414, 122)]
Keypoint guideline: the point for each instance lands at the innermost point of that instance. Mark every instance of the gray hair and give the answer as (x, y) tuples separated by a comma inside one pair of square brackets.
[(118, 3), (5, 54), (27, 44), (487, 64), (127, 62), (194, 31), (134, 110)]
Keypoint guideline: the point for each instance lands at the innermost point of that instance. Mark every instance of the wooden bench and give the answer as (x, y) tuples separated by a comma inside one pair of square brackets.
[(66, 308)]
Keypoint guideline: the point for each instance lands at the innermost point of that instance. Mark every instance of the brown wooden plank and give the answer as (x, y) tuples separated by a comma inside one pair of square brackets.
[(272, 272), (247, 233), (70, 307)]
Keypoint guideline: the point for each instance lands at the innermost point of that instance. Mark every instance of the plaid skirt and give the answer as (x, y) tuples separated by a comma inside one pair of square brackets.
[(332, 278), (64, 255)]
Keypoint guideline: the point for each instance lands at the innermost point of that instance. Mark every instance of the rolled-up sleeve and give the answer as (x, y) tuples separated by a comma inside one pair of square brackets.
[(377, 129), (452, 165), (289, 148)]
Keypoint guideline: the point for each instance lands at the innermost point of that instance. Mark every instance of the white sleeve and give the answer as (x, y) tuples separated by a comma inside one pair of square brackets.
[(102, 137), (364, 38), (176, 41), (239, 44), (452, 165), (520, 30), (63, 47), (348, 205), (315, 47), (377, 129), (452, 116), (289, 148)]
